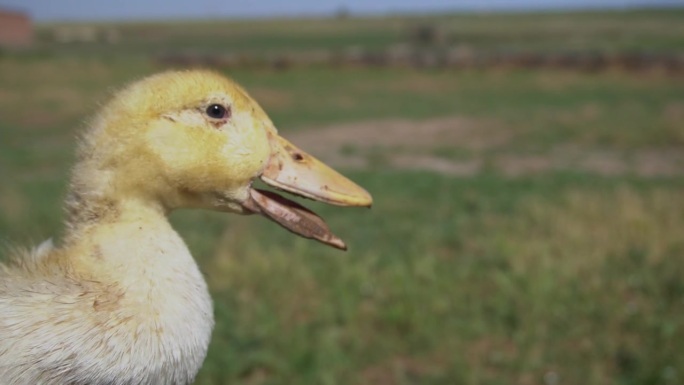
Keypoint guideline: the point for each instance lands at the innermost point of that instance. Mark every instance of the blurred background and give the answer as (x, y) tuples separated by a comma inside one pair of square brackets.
[(526, 159)]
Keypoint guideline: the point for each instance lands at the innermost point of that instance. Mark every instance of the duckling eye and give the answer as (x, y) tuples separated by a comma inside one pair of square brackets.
[(217, 111)]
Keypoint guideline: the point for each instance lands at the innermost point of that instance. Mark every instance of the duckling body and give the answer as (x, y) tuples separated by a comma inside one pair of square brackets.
[(140, 315), (119, 300)]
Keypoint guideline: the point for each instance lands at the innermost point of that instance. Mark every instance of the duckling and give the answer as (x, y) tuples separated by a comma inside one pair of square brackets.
[(119, 300)]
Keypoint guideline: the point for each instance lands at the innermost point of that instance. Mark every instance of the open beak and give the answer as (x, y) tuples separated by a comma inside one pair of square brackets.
[(293, 170)]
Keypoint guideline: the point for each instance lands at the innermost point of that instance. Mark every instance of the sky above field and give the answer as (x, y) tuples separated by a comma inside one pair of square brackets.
[(64, 10)]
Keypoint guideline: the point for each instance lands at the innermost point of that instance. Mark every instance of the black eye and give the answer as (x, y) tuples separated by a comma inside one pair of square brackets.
[(217, 111)]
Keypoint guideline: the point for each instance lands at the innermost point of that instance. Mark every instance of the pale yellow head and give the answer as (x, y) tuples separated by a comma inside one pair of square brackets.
[(197, 139), (181, 138)]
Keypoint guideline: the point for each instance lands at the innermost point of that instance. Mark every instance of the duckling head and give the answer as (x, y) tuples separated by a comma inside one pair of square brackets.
[(197, 139)]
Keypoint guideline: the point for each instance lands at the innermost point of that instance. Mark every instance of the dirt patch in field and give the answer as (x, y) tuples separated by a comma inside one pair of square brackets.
[(462, 147), (402, 144), (436, 164), (470, 133)]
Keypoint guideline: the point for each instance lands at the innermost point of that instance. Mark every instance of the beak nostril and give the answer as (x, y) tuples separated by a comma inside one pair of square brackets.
[(297, 157)]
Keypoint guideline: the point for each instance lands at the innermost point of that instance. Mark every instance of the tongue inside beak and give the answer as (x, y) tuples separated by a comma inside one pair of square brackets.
[(294, 217), (291, 169)]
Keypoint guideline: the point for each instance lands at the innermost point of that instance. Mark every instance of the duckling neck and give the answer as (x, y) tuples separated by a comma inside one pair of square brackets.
[(125, 240), (152, 282), (102, 193), (88, 212)]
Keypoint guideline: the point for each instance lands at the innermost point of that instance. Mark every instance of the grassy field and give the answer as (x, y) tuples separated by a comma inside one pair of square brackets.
[(638, 30), (557, 258)]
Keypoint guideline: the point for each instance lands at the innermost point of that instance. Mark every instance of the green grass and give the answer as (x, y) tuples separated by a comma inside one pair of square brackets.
[(552, 277), (459, 281)]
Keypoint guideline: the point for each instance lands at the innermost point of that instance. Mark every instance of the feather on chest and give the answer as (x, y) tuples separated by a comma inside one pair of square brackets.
[(143, 315)]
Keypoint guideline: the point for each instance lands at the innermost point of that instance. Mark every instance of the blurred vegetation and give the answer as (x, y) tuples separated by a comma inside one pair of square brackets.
[(558, 275), (642, 30)]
